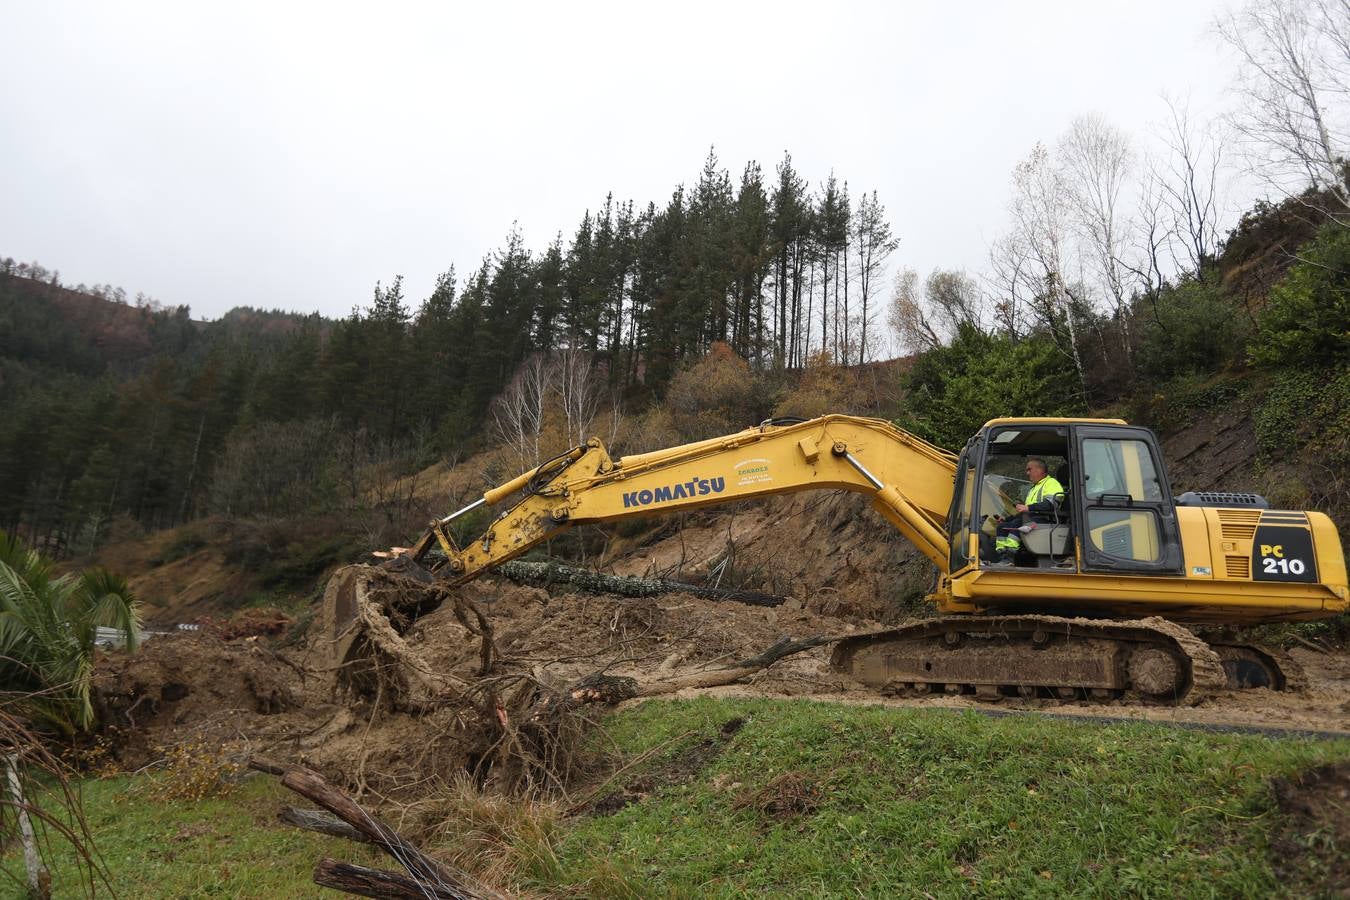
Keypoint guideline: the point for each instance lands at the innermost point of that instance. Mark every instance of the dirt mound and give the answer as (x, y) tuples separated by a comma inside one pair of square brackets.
[(831, 551), (290, 704), (188, 682), (1309, 849), (440, 717)]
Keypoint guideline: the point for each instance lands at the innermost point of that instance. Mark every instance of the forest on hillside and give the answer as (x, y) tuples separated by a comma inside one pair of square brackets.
[(1119, 283)]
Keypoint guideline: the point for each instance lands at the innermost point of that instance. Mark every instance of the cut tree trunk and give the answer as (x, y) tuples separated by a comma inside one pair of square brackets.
[(610, 689), (624, 585)]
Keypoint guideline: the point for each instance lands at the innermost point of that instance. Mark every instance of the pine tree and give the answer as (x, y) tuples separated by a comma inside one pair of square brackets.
[(789, 228)]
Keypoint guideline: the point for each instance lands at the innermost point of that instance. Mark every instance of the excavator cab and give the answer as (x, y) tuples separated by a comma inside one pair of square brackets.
[(992, 478), (1114, 512), (1124, 502)]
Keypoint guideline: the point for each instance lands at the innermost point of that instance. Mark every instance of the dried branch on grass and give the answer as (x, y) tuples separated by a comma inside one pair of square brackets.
[(38, 785), (427, 877)]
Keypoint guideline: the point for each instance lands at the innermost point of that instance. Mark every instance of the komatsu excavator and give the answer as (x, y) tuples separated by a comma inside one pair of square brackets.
[(1092, 605)]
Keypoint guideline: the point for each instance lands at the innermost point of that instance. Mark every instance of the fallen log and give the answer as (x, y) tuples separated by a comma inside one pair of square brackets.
[(270, 766), (379, 883), (550, 573), (611, 689)]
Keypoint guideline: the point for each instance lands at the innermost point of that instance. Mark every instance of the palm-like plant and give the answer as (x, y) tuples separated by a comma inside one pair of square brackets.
[(48, 625)]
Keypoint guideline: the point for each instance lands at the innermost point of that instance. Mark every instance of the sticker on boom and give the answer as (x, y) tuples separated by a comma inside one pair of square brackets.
[(695, 487), (1283, 553)]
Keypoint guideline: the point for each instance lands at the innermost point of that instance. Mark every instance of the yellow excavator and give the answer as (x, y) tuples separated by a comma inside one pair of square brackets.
[(1091, 604)]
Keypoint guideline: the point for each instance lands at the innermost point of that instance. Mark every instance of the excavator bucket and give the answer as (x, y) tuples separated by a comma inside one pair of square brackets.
[(340, 614)]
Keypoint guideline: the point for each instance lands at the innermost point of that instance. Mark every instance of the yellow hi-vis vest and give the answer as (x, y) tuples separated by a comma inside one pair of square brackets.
[(1045, 489)]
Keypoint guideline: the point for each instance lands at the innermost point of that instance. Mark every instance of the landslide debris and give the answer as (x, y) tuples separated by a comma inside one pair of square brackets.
[(426, 711), (189, 682), (413, 702)]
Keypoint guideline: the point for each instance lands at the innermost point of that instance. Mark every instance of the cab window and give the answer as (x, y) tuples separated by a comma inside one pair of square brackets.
[(1120, 468), (1117, 474)]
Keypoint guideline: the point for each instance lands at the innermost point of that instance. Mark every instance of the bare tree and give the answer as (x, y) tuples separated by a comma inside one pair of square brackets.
[(518, 411), (954, 299), (579, 388), (1151, 232), (1097, 159), (1040, 221), (1190, 187), (614, 419), (1008, 262), (1295, 81), (907, 316)]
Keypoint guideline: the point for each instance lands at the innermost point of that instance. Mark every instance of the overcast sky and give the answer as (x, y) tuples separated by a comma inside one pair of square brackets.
[(282, 155)]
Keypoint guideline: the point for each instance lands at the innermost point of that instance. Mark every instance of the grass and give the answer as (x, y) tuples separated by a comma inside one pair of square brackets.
[(909, 802), (807, 799), (229, 846)]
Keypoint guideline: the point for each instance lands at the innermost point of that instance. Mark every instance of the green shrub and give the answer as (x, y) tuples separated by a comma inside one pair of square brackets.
[(1306, 323), (1191, 328), (954, 390)]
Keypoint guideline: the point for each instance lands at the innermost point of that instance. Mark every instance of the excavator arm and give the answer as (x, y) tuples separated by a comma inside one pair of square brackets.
[(910, 482)]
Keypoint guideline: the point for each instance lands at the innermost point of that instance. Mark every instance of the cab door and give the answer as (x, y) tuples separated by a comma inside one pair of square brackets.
[(1125, 518)]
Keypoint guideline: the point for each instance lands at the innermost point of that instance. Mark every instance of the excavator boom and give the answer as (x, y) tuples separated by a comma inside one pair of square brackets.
[(585, 485)]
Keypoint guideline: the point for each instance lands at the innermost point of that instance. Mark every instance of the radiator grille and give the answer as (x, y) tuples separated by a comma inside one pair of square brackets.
[(1238, 524), (1238, 566)]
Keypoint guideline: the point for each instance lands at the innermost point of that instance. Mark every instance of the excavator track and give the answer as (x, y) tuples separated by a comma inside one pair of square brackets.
[(1150, 660), (1259, 666)]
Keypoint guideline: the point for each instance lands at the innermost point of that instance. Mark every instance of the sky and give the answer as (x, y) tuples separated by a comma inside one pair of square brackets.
[(285, 155)]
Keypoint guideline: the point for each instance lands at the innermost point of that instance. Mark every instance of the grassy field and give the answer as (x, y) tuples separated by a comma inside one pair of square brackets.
[(771, 797), (226, 846), (819, 799)]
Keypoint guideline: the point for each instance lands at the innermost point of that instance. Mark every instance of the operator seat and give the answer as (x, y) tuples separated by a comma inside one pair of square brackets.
[(1064, 475)]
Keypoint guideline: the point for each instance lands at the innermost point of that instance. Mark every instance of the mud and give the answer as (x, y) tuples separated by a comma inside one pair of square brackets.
[(1324, 706), (830, 551), (186, 684), (283, 702)]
